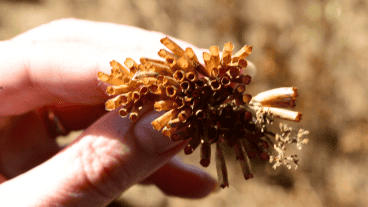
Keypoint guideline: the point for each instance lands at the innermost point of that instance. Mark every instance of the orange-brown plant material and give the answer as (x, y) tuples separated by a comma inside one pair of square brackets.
[(207, 104)]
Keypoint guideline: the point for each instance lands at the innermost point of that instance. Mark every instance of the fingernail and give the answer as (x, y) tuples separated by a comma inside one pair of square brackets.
[(250, 69), (150, 139)]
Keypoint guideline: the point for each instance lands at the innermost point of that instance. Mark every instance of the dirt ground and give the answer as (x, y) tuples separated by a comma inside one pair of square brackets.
[(318, 46)]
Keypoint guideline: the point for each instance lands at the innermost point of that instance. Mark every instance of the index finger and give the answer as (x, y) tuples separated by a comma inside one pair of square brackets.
[(48, 67)]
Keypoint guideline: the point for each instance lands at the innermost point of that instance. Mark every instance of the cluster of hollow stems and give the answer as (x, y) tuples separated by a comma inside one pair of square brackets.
[(207, 104)]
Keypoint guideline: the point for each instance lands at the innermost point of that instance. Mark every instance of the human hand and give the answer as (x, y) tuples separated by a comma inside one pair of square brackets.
[(54, 68)]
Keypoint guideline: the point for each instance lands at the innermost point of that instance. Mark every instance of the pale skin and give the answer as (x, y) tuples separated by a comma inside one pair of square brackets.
[(54, 67)]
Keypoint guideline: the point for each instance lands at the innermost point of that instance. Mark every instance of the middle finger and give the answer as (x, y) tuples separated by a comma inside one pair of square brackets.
[(26, 144)]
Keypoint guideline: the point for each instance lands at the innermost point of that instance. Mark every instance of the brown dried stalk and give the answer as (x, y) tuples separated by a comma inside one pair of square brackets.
[(207, 104)]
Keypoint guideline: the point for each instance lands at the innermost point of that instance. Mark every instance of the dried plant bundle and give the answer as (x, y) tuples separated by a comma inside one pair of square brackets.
[(207, 104)]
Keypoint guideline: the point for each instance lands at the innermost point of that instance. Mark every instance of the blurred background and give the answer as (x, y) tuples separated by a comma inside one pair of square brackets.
[(318, 46)]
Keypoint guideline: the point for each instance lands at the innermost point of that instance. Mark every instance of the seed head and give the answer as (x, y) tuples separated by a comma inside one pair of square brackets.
[(207, 104)]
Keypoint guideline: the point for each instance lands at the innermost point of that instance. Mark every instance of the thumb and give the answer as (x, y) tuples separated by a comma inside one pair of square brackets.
[(104, 161)]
